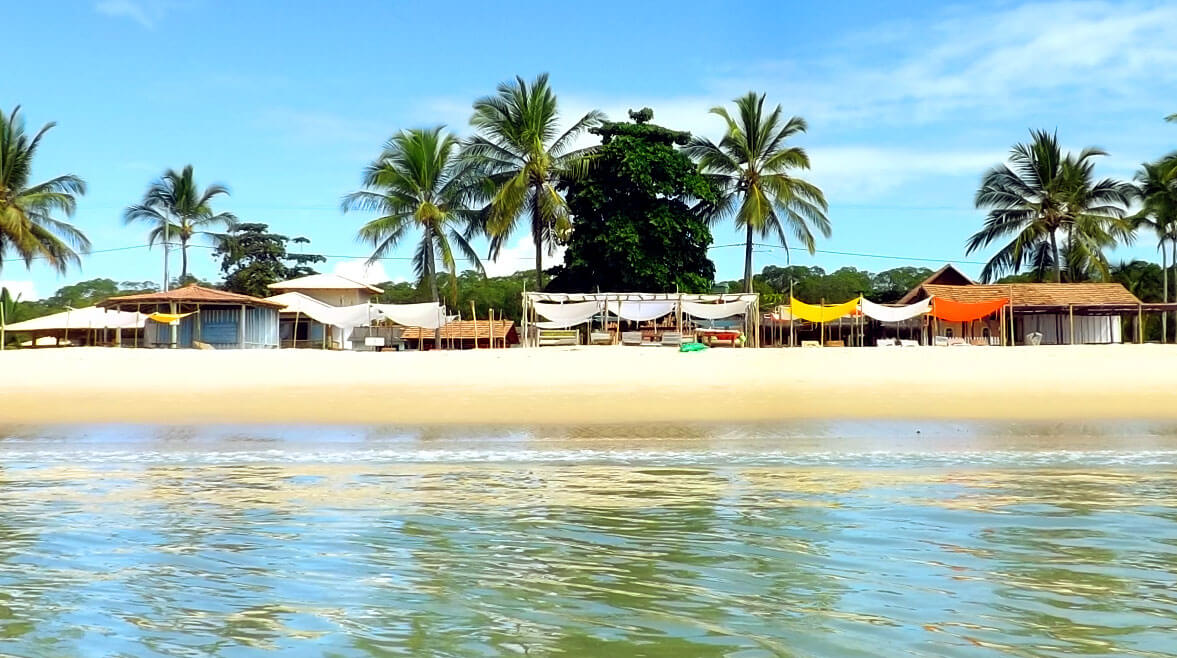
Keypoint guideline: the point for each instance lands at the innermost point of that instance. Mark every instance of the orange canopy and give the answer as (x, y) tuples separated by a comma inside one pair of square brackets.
[(964, 312)]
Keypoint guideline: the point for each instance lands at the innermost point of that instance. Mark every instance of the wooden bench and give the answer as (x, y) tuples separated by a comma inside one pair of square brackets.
[(835, 343), (631, 338), (672, 338), (548, 337), (600, 338)]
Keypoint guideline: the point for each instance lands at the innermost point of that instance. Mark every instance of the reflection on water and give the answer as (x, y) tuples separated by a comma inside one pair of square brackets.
[(748, 541)]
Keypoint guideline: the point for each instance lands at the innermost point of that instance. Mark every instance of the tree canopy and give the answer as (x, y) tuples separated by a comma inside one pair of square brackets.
[(252, 258), (636, 228)]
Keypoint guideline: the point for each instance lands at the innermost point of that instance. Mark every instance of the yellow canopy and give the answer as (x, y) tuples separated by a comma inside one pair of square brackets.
[(167, 318), (818, 313)]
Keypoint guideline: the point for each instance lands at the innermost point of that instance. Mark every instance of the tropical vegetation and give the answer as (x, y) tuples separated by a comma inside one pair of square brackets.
[(177, 209), (637, 227), (524, 155), (1156, 193), (419, 183), (252, 258), (752, 167), (28, 227), (1043, 197)]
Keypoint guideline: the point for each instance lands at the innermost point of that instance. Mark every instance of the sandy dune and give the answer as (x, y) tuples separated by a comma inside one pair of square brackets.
[(588, 384)]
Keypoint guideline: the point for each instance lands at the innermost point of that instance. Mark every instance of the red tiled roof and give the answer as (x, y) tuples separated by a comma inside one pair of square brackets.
[(189, 294)]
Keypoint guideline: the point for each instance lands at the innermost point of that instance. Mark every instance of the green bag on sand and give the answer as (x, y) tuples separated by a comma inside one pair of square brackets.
[(692, 347)]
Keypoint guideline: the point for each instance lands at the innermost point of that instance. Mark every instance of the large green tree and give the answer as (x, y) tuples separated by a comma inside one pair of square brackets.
[(252, 258), (1156, 192), (420, 184), (753, 167), (636, 227), (27, 225), (177, 209), (523, 153), (1043, 197)]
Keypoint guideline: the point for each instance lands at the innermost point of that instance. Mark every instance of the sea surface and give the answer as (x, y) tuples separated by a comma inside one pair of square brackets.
[(855, 539)]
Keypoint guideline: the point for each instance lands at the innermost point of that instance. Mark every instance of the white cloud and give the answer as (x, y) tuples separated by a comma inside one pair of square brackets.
[(147, 13), (521, 257), (855, 173), (326, 128), (360, 270), (24, 289)]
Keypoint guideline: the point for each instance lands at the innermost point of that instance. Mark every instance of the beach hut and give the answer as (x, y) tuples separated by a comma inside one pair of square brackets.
[(331, 289), (80, 326), (306, 322), (465, 334), (193, 316)]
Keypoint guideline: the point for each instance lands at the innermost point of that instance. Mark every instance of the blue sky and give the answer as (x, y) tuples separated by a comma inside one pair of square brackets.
[(907, 103)]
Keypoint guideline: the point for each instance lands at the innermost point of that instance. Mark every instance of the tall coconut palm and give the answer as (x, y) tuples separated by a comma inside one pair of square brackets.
[(520, 149), (27, 225), (419, 182), (1156, 190), (752, 167), (178, 209), (1041, 197)]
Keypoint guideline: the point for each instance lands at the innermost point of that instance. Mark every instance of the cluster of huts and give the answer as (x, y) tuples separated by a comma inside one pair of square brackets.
[(328, 311)]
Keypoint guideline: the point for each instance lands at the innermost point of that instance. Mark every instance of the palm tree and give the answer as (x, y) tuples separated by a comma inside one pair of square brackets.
[(1042, 195), (1156, 190), (1172, 118), (420, 182), (177, 208), (27, 226), (751, 166), (521, 151)]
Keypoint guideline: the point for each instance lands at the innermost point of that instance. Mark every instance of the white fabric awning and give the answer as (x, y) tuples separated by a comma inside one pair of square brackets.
[(567, 315), (895, 313), (715, 311), (641, 311), (301, 304), (428, 315), (90, 317)]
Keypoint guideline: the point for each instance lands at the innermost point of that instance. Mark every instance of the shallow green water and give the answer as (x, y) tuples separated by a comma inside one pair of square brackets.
[(853, 540)]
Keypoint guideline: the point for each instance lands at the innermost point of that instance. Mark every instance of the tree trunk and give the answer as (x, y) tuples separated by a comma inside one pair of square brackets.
[(1058, 266), (1173, 264), (431, 272), (1164, 292), (537, 223), (183, 260), (748, 261)]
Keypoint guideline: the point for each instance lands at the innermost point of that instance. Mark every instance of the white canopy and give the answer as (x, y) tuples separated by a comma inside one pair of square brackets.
[(895, 313), (566, 315), (323, 282), (90, 317), (429, 315), (296, 302), (641, 311), (716, 311)]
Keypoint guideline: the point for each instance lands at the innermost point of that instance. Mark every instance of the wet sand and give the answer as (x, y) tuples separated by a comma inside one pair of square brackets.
[(588, 385)]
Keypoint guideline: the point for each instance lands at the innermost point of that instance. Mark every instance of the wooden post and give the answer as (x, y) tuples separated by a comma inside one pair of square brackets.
[(490, 314), (474, 318), (1013, 335), (241, 329), (1139, 324), (1071, 314)]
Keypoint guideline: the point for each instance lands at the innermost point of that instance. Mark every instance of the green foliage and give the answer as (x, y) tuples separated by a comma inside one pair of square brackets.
[(523, 155), (635, 227), (88, 293), (27, 225), (503, 294), (175, 204), (752, 167), (419, 183), (252, 258), (1044, 197)]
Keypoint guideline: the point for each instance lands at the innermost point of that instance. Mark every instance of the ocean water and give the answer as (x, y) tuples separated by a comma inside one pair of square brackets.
[(842, 539)]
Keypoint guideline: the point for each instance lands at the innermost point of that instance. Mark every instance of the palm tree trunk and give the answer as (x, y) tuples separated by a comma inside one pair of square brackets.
[(537, 237), (431, 272), (1173, 264), (1164, 291), (183, 260), (1058, 266), (748, 261)]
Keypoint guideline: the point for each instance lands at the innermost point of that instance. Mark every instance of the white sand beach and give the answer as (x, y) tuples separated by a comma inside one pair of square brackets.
[(587, 385)]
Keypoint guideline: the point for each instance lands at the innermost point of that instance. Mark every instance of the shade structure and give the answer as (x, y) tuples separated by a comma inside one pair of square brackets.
[(820, 313), (566, 315), (91, 317), (950, 311), (428, 315), (705, 311), (895, 313), (640, 311)]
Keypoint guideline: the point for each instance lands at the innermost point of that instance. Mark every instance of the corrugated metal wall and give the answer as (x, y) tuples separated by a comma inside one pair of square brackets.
[(220, 328)]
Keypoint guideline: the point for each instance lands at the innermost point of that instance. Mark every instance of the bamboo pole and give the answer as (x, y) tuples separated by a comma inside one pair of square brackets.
[(490, 314), (1071, 313), (1139, 324), (474, 317)]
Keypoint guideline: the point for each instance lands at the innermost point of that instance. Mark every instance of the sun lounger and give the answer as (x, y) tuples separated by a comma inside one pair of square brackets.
[(957, 342), (631, 338), (886, 342), (979, 342), (909, 343), (940, 341), (600, 338), (671, 338), (810, 343), (549, 337), (835, 343)]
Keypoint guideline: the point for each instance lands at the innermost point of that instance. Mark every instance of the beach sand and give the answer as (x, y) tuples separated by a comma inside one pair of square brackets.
[(588, 385)]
